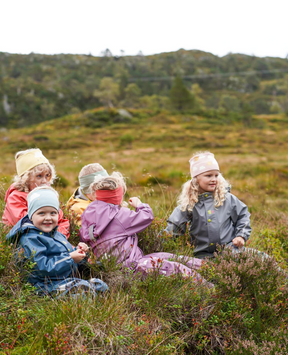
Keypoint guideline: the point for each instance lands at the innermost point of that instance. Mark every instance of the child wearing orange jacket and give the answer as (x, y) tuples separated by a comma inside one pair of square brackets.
[(33, 170)]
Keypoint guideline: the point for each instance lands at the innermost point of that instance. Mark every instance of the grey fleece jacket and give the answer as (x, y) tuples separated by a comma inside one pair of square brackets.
[(210, 226)]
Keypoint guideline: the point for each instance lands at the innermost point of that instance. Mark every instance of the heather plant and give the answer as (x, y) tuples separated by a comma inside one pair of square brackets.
[(59, 342), (245, 312), (251, 295), (6, 252), (152, 313), (276, 345), (152, 240), (73, 224)]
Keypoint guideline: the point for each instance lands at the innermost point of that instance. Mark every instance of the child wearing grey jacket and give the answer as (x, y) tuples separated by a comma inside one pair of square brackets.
[(215, 216)]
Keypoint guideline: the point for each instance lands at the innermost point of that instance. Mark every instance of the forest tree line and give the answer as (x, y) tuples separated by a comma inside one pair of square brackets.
[(36, 87)]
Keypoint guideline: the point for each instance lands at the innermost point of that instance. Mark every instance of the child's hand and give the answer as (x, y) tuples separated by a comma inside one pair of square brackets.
[(78, 255), (134, 202), (83, 246), (238, 242)]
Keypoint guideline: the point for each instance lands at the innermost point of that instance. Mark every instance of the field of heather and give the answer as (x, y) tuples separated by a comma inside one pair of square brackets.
[(247, 310)]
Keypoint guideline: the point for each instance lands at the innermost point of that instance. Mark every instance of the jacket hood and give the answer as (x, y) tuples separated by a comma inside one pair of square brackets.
[(100, 214), (9, 192), (80, 194), (77, 198), (20, 228)]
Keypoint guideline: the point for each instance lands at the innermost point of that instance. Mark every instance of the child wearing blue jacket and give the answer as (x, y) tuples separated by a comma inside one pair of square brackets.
[(56, 260)]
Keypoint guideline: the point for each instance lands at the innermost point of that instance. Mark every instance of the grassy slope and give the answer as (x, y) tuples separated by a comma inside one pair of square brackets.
[(157, 315)]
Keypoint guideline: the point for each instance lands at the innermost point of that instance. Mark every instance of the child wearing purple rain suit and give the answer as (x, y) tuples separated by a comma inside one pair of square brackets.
[(111, 229)]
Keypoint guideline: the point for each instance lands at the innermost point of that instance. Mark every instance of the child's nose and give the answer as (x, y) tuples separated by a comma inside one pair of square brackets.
[(45, 181)]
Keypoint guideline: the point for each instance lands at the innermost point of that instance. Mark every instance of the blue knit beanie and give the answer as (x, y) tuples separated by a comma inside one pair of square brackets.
[(42, 197)]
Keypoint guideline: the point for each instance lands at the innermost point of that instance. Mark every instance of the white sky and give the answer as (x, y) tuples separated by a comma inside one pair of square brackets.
[(256, 27)]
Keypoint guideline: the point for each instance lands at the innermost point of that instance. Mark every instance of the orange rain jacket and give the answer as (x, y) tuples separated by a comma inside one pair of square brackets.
[(77, 204)]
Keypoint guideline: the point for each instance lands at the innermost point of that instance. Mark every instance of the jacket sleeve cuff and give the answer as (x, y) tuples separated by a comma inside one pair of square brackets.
[(142, 205), (244, 236)]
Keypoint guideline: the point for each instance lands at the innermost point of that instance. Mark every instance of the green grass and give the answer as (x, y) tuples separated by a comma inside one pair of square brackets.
[(246, 311)]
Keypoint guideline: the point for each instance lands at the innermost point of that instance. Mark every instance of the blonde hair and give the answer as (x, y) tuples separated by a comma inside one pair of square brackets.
[(87, 170), (190, 191), (111, 182), (21, 183)]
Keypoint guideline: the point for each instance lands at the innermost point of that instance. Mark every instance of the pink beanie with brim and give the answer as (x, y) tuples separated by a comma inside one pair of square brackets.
[(201, 163)]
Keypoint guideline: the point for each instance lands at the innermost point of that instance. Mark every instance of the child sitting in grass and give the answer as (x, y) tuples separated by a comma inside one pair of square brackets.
[(33, 170), (110, 229), (214, 215), (83, 195), (55, 260)]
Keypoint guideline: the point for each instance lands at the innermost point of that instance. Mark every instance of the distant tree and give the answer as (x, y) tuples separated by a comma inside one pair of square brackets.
[(122, 78), (132, 95), (196, 92), (39, 87), (47, 109), (260, 106), (285, 106), (6, 106), (154, 102), (253, 83), (38, 73), (107, 53), (212, 101), (108, 93), (196, 89), (180, 97), (275, 107), (229, 103), (247, 112)]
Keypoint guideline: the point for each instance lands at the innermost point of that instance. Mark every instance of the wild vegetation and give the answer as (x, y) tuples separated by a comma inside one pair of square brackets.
[(247, 310), (37, 87)]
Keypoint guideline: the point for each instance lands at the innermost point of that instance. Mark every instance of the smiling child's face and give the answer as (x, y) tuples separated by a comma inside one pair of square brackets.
[(208, 181), (45, 219)]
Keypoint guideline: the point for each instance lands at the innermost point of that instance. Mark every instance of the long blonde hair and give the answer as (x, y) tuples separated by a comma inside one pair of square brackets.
[(190, 191)]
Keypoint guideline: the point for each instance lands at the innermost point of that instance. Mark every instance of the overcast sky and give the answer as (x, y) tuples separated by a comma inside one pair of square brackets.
[(253, 27)]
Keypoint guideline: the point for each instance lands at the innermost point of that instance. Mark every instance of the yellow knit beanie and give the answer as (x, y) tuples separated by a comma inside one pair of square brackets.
[(29, 160)]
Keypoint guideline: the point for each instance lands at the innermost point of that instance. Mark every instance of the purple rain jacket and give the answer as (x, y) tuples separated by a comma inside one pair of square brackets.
[(111, 230)]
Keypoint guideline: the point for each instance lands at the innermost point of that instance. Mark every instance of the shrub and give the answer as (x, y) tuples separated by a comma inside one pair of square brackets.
[(61, 181), (127, 139)]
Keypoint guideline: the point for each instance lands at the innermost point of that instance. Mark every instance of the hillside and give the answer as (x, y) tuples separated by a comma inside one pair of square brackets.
[(160, 144), (35, 87), (247, 310)]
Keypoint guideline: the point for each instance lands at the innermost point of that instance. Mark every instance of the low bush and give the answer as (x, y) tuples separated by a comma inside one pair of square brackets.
[(243, 311)]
